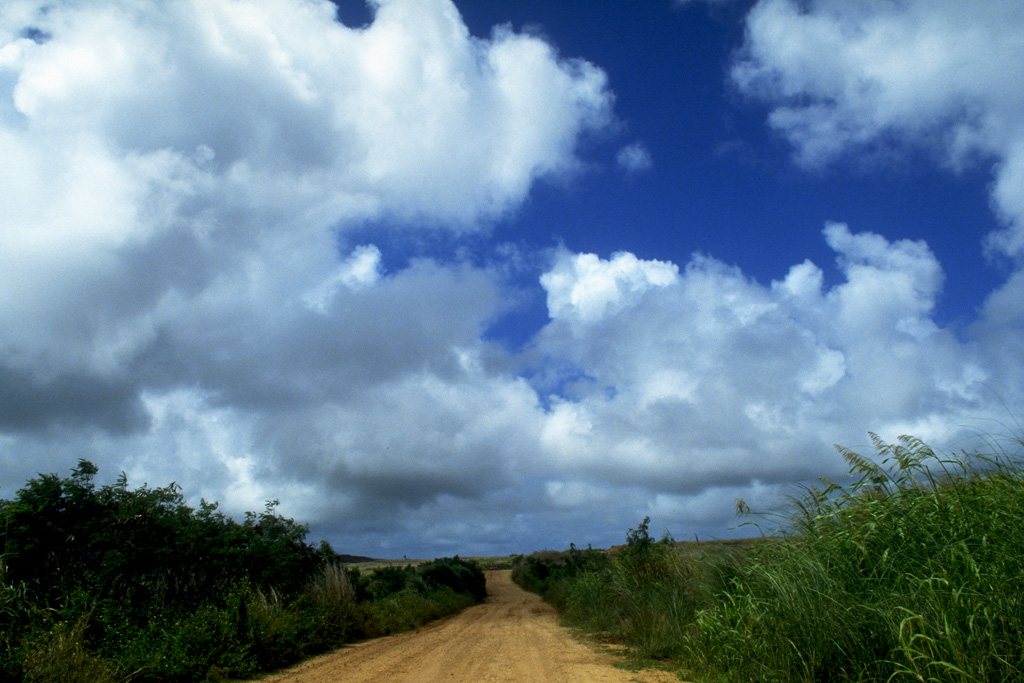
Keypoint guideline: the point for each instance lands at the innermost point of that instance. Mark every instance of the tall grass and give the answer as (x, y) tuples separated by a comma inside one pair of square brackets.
[(913, 572), (60, 655), (647, 594), (334, 616)]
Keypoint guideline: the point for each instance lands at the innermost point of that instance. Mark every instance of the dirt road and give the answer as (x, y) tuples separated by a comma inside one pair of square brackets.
[(512, 637)]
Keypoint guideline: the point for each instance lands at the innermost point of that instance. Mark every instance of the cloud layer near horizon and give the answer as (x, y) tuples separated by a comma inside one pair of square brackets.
[(182, 299)]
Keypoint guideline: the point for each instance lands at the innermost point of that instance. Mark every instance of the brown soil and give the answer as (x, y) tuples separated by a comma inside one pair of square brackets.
[(513, 636)]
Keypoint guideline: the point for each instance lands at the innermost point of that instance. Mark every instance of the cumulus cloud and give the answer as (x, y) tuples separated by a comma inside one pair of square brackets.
[(710, 381), (195, 139), (854, 77), (184, 298), (587, 288), (179, 183)]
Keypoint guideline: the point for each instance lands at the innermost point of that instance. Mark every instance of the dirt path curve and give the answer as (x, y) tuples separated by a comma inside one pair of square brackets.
[(512, 637)]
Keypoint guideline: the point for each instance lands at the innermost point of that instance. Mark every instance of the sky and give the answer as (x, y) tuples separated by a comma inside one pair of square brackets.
[(487, 277)]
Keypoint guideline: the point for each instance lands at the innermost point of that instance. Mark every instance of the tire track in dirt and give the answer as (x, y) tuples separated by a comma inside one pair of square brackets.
[(513, 636)]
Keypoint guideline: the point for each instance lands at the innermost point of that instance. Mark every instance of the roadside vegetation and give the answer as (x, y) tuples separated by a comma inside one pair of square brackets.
[(912, 572), (109, 584)]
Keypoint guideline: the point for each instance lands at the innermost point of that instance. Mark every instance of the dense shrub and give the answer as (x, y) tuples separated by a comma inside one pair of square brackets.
[(403, 598), (455, 574), (112, 583), (551, 573)]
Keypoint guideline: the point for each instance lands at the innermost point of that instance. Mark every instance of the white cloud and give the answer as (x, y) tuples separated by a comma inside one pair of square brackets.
[(182, 298), (875, 77), (889, 286), (589, 288), (711, 379), (235, 132), (361, 269), (178, 180), (848, 77), (634, 158)]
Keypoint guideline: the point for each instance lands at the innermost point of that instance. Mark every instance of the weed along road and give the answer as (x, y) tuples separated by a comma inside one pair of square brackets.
[(512, 637)]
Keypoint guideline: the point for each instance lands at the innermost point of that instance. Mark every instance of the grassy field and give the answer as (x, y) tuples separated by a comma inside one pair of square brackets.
[(912, 572)]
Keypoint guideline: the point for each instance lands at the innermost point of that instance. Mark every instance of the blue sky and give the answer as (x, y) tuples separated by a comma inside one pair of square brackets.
[(487, 277), (721, 182)]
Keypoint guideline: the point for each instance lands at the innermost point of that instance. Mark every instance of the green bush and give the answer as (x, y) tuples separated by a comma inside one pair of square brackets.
[(551, 574), (386, 581), (404, 598), (196, 647), (455, 574), (115, 583), (398, 612)]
